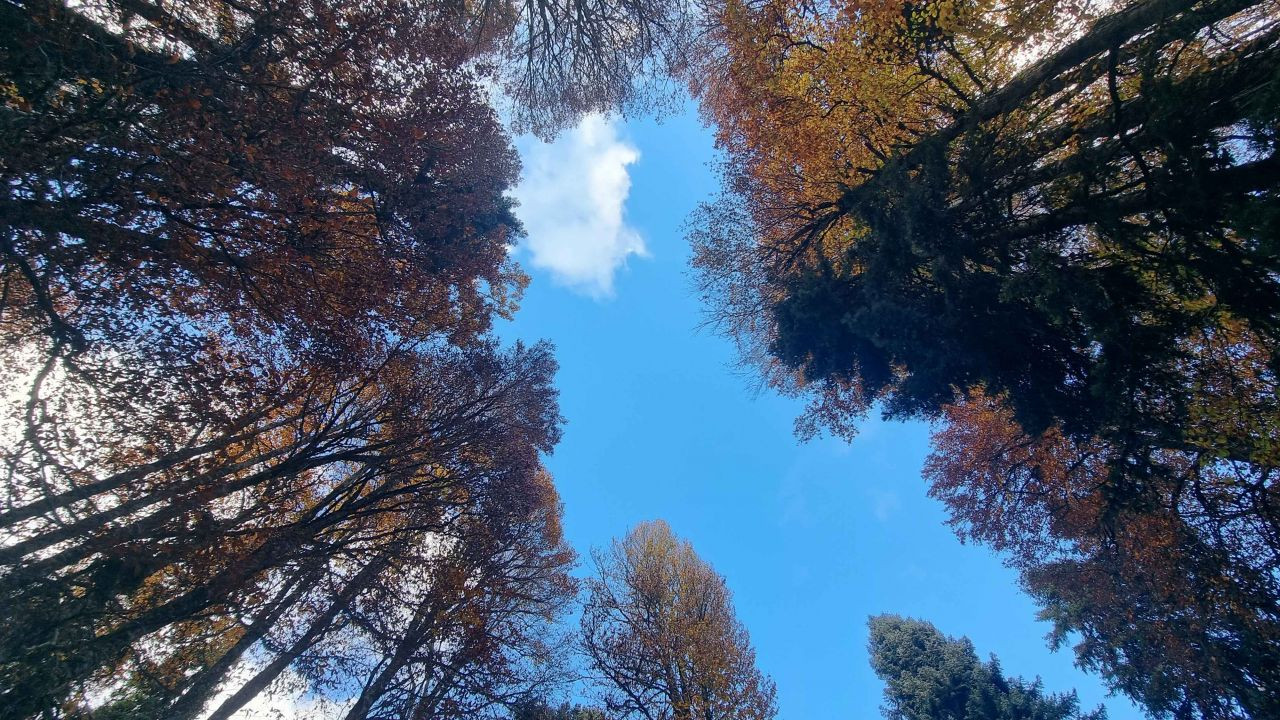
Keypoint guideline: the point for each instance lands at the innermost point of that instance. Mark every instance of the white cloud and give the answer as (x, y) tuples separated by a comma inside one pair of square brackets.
[(571, 203)]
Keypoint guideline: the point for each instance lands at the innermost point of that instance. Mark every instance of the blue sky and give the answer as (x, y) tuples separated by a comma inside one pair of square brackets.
[(812, 537)]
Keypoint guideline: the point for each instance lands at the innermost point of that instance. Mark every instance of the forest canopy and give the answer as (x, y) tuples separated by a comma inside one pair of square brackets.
[(1050, 229), (258, 429)]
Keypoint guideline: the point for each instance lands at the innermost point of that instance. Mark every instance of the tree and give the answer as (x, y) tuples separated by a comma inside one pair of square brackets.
[(1173, 601), (569, 57), (1070, 215), (929, 676), (1008, 230), (660, 636), (250, 255), (416, 492)]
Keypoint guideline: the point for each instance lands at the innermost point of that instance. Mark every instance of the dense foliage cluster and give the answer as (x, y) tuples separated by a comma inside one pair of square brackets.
[(929, 676), (256, 430), (1051, 226), (660, 635), (257, 435)]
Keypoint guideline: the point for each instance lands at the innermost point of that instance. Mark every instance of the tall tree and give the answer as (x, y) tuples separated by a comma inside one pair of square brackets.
[(419, 491), (660, 636), (250, 254), (963, 224), (1068, 210), (929, 676), (568, 57), (1173, 601)]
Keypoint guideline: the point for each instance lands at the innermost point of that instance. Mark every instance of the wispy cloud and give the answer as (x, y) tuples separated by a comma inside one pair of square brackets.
[(572, 198)]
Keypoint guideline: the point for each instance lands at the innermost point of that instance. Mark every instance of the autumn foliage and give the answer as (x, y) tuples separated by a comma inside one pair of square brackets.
[(660, 635), (257, 433), (1050, 227)]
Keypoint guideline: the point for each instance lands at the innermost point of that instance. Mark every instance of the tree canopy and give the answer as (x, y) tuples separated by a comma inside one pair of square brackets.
[(929, 676), (256, 426), (1058, 214), (257, 430), (661, 638)]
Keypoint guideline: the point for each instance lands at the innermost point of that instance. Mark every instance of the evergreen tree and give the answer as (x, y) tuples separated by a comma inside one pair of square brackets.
[(929, 676)]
